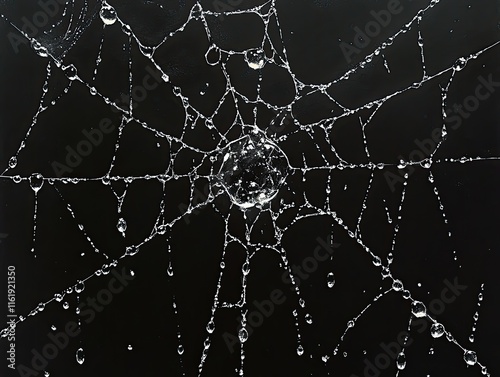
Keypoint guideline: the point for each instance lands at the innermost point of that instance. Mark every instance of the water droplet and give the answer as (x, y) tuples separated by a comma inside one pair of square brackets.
[(460, 64), (300, 350), (401, 361), (129, 347), (330, 280), (41, 306), (243, 335), (65, 305), (13, 162), (80, 356), (308, 318), (53, 328), (121, 225), (93, 91), (397, 285), (212, 55), (16, 178), (131, 250), (36, 182), (437, 330), (180, 350), (211, 327), (418, 309), (255, 58), (46, 374), (470, 357), (79, 287), (108, 14)]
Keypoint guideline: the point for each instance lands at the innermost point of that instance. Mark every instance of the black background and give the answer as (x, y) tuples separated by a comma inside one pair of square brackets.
[(143, 315)]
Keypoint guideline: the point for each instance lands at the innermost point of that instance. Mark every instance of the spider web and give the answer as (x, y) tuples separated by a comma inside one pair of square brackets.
[(261, 94)]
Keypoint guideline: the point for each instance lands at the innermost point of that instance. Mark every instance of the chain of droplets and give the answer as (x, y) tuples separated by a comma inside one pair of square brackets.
[(257, 62)]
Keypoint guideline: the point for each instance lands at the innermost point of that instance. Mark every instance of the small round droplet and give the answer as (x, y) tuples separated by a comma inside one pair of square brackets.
[(401, 361), (36, 181), (243, 335), (80, 356), (79, 287), (180, 349), (437, 330), (330, 280), (397, 285), (65, 305), (300, 350), (121, 225), (212, 55), (211, 327), (256, 59), (418, 309), (470, 357), (460, 64), (16, 179), (13, 162), (129, 347), (108, 14), (308, 319)]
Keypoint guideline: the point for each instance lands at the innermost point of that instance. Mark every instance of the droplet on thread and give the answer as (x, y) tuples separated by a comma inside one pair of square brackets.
[(80, 356), (418, 309)]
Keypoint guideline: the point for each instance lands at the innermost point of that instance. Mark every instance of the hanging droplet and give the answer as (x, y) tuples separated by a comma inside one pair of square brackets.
[(470, 357), (36, 182), (300, 350), (13, 162), (41, 306), (16, 178), (243, 335), (401, 361), (53, 328), (108, 14), (460, 64), (308, 319), (255, 58), (129, 347), (93, 91), (80, 356), (180, 349), (121, 225), (79, 287), (65, 305), (437, 330), (212, 55), (46, 374), (330, 280), (131, 250), (418, 309)]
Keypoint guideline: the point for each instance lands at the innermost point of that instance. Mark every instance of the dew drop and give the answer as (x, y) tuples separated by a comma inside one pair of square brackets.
[(180, 350), (211, 327), (300, 350), (437, 330), (129, 347), (79, 287), (36, 181), (397, 285), (13, 162), (71, 72), (121, 225), (401, 361), (460, 64), (308, 319), (255, 58), (16, 178), (39, 49), (80, 356), (108, 14), (330, 280), (470, 357), (418, 309), (243, 335)]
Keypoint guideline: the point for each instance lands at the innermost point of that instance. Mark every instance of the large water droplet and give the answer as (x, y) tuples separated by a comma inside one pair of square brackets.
[(308, 318), (470, 357), (80, 356), (79, 287), (300, 350), (253, 170), (418, 309), (255, 58), (397, 285), (71, 72), (180, 349), (437, 330), (211, 327), (129, 347), (36, 181), (108, 14), (39, 49)]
